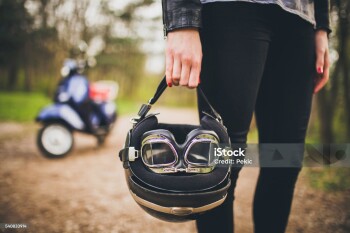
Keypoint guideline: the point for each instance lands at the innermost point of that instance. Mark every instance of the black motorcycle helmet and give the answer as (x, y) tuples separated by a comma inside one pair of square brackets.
[(180, 196)]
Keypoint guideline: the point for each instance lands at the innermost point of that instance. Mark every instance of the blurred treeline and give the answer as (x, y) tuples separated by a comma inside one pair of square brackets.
[(333, 103), (37, 35)]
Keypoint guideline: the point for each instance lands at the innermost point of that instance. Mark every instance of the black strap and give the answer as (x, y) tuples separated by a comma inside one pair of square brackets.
[(213, 111), (124, 157), (161, 88)]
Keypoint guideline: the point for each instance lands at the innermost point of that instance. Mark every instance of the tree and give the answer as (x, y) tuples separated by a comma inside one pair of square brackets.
[(37, 35), (334, 100), (14, 30)]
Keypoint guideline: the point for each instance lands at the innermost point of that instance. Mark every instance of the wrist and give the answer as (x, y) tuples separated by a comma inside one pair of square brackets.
[(322, 33), (184, 30), (325, 30)]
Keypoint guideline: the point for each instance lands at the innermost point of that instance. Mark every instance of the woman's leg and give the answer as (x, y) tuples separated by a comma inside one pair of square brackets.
[(235, 40), (282, 113)]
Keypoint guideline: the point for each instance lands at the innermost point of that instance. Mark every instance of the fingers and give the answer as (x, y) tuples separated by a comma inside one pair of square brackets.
[(321, 82), (323, 74), (185, 71), (169, 69), (322, 60), (183, 57), (195, 73), (176, 70), (320, 54)]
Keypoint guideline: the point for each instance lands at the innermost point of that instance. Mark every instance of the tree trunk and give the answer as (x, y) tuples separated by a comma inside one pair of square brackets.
[(326, 117), (326, 102), (12, 76), (344, 62), (27, 80)]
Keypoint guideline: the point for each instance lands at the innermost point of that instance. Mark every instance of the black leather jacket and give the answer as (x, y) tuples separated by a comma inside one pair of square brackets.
[(187, 14)]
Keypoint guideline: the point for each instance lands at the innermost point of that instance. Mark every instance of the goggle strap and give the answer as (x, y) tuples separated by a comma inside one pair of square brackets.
[(166, 170)]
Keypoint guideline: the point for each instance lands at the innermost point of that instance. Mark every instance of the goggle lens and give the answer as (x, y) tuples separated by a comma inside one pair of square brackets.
[(200, 153), (158, 153)]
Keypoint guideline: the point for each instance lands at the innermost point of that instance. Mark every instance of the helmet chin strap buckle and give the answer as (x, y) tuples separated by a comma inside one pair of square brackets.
[(141, 114), (133, 154), (128, 154), (144, 110)]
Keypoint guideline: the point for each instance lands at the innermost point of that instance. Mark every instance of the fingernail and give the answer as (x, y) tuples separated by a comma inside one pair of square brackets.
[(319, 70), (170, 84)]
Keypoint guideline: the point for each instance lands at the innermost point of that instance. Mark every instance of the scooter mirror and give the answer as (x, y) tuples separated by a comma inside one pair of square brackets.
[(83, 46), (91, 62)]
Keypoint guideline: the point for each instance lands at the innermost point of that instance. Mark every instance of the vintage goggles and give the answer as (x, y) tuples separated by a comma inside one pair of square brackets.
[(161, 153)]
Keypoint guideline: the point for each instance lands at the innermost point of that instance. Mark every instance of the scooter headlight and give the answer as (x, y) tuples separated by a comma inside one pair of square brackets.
[(65, 71)]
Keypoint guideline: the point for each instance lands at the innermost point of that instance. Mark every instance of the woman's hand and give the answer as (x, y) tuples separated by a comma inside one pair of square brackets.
[(183, 58), (322, 60)]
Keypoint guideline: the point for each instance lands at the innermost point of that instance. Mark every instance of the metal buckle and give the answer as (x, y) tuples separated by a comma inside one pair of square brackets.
[(192, 169), (134, 120), (175, 170), (144, 110), (133, 154)]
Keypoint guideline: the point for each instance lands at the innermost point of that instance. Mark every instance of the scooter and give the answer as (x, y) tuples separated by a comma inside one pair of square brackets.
[(78, 106)]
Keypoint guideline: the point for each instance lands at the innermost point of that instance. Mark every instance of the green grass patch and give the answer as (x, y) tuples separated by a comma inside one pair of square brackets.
[(329, 178), (125, 106), (21, 106)]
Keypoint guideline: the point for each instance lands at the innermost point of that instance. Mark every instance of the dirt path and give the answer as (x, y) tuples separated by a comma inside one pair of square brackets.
[(86, 191)]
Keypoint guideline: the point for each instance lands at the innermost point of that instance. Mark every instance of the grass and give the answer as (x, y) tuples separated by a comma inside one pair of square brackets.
[(21, 106), (125, 106), (329, 178)]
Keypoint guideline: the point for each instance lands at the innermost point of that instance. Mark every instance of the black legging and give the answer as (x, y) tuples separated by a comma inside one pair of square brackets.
[(258, 57)]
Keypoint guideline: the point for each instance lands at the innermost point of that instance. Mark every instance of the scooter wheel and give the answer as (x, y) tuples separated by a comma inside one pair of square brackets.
[(55, 140)]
